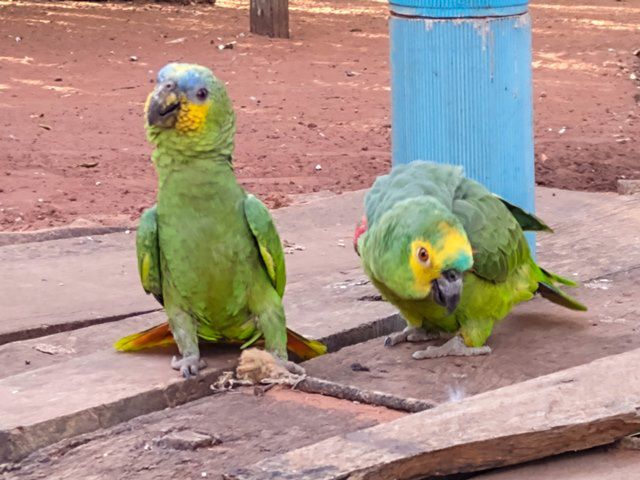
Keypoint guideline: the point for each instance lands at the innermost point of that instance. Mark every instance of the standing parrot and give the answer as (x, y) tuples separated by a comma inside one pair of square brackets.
[(450, 255), (208, 251)]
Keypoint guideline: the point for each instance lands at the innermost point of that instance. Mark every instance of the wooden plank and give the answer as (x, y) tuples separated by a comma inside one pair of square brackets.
[(570, 410), (270, 18), (598, 464), (70, 283), (85, 393)]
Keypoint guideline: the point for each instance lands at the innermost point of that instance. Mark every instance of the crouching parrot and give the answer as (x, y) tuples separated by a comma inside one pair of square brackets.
[(450, 255), (208, 251)]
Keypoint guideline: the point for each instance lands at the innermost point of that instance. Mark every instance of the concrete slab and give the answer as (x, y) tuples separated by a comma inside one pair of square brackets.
[(47, 287), (69, 283), (64, 284), (575, 409), (30, 355), (93, 391), (595, 233), (249, 429), (327, 295), (41, 402), (538, 338), (532, 342)]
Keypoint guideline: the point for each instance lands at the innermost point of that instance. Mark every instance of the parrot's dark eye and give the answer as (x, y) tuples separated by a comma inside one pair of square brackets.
[(423, 255), (202, 94)]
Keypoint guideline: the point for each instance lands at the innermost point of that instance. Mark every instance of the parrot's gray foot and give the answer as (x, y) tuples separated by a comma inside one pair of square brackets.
[(189, 365), (410, 334), (290, 366), (452, 348)]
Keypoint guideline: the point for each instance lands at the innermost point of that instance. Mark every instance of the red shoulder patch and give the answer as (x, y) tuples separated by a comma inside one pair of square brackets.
[(360, 229)]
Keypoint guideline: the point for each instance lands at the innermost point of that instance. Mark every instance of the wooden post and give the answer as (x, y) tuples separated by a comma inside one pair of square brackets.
[(270, 17)]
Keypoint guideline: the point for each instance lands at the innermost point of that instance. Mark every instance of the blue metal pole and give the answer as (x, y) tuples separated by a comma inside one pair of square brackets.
[(461, 90)]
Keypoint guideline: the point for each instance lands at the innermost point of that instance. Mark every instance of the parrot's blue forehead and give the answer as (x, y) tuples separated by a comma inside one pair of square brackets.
[(187, 76)]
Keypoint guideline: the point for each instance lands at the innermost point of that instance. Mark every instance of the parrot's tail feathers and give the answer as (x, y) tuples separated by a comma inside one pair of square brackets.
[(558, 279), (555, 295), (304, 348), (158, 336)]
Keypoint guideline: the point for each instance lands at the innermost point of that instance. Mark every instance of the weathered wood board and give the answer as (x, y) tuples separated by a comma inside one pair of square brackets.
[(570, 410)]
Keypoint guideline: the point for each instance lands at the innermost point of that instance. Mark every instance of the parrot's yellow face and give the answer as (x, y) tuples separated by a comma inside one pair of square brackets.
[(428, 259), (420, 250), (189, 104)]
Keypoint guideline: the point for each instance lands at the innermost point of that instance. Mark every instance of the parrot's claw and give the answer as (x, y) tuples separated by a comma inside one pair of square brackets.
[(395, 338), (453, 348), (410, 334), (189, 366), (291, 367)]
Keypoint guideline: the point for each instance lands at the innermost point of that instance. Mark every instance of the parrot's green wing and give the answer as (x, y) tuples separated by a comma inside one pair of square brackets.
[(266, 235), (148, 253), (528, 221), (495, 234)]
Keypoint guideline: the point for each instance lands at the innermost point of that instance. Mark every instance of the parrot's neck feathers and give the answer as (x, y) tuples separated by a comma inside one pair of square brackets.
[(175, 149), (171, 158), (174, 155)]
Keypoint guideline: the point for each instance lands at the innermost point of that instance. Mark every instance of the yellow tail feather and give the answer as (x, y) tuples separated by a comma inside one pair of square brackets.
[(304, 348), (158, 336)]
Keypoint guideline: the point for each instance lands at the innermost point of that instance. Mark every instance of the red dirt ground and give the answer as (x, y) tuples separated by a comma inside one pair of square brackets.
[(72, 146)]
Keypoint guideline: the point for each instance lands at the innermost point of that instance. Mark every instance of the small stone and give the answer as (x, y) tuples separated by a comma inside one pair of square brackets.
[(628, 187), (358, 367), (632, 442), (133, 58), (318, 167), (88, 164), (187, 440)]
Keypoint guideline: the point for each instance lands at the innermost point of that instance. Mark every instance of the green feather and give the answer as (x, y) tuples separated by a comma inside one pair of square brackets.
[(148, 254), (208, 249), (266, 235), (503, 272)]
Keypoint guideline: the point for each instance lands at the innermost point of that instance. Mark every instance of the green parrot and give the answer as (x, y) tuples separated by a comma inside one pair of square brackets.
[(208, 251), (450, 255)]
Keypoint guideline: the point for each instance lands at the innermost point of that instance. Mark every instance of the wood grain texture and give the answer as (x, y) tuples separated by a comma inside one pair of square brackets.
[(270, 18), (575, 409)]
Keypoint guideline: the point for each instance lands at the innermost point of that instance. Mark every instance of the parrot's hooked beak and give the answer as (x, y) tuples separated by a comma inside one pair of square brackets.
[(163, 106), (447, 289)]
